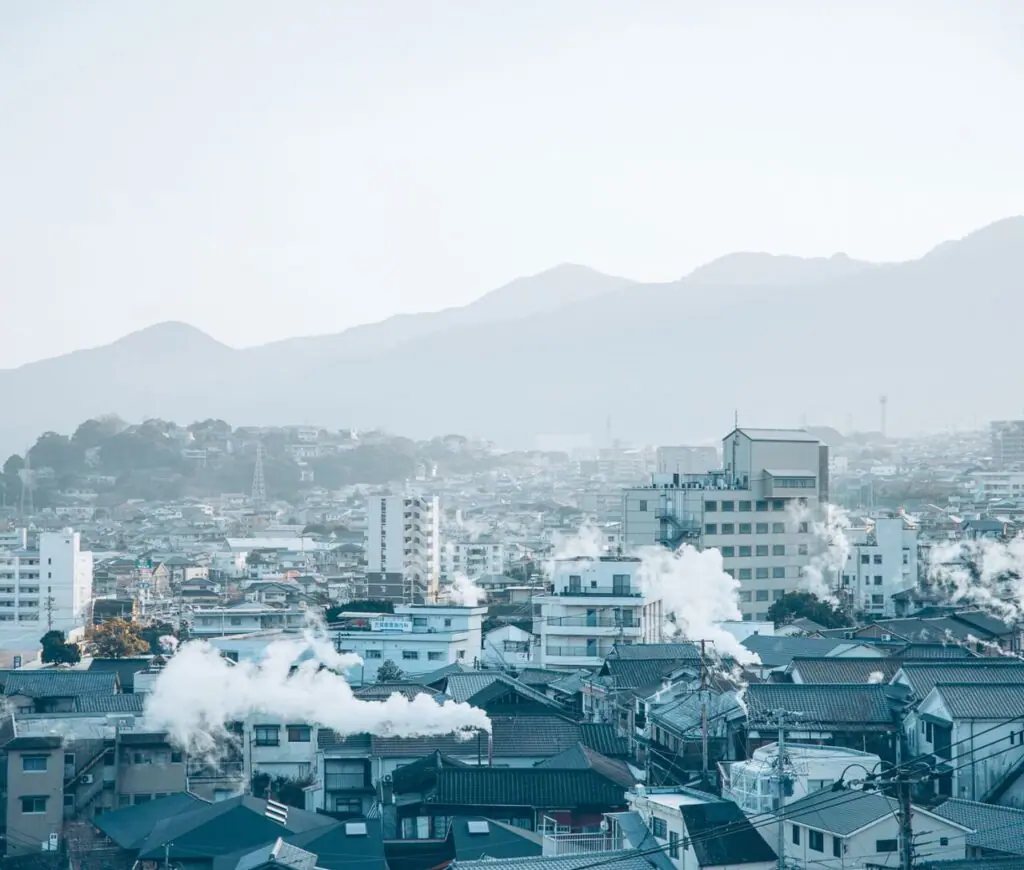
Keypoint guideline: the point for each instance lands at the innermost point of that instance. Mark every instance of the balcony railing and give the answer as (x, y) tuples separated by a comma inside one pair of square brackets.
[(576, 651), (581, 844), (594, 622), (221, 770), (604, 591)]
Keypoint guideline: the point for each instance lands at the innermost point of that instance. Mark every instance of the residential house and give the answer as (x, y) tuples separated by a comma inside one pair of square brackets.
[(777, 653), (995, 832), (841, 669), (861, 828), (507, 647)]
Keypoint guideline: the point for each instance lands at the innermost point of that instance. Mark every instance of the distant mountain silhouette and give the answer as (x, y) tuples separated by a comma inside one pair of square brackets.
[(776, 338)]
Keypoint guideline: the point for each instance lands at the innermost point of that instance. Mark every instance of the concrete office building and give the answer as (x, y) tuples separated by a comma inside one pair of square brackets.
[(403, 548), (758, 510)]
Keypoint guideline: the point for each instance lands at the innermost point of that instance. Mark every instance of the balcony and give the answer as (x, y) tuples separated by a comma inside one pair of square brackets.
[(582, 844), (578, 652), (601, 592)]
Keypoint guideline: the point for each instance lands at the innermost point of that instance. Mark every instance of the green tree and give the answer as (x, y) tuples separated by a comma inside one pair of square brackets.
[(388, 672), (53, 450), (805, 605), (94, 432), (13, 465), (57, 651), (151, 634), (281, 789), (117, 639)]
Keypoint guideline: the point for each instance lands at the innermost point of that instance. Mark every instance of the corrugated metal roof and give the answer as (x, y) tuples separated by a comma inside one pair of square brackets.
[(777, 435), (840, 814), (973, 701), (998, 828)]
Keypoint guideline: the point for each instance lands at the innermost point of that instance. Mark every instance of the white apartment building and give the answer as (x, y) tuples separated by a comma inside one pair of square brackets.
[(991, 485), (246, 618), (403, 548), (882, 561), (595, 604), (472, 558), (44, 588), (758, 510), (13, 539)]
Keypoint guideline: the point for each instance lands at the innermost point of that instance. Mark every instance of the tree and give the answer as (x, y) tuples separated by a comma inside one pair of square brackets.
[(117, 639), (13, 465), (388, 672), (805, 605), (152, 635), (281, 789), (57, 651)]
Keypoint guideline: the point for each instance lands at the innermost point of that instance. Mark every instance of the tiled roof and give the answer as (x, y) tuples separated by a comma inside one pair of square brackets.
[(721, 834), (839, 669), (928, 630), (383, 691), (421, 774), (843, 814), (468, 687), (354, 744), (602, 737), (1000, 829), (922, 676), (537, 787), (580, 757), (639, 673), (649, 651), (928, 651), (58, 684), (129, 826), (780, 651), (110, 703), (537, 677), (860, 707), (985, 622), (973, 701), (500, 841), (626, 859), (523, 736)]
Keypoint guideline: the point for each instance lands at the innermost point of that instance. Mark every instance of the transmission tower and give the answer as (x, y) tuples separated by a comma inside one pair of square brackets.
[(259, 485)]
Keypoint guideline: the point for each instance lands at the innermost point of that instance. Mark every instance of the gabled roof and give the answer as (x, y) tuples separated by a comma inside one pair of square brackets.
[(59, 684), (845, 813), (989, 626), (721, 834), (536, 787), (110, 703), (336, 849), (859, 707), (499, 841), (421, 774), (779, 651), (481, 686), (126, 669), (973, 701), (580, 757), (923, 676), (604, 738), (649, 651), (129, 826), (840, 669), (515, 736), (999, 829), (383, 691), (927, 651), (625, 859)]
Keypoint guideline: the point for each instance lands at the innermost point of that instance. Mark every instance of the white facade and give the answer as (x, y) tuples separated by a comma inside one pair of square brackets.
[(246, 619), (50, 587), (403, 548), (882, 561), (13, 539), (508, 647), (758, 510), (472, 558), (991, 485), (595, 604), (752, 785)]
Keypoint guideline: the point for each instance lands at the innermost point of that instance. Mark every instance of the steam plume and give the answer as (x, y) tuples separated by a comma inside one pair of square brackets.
[(464, 592), (834, 548), (988, 574), (199, 693)]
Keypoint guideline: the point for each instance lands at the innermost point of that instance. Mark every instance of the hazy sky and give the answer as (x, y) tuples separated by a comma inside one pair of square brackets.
[(263, 168)]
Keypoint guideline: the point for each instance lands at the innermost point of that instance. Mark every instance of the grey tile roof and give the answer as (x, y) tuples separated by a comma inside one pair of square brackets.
[(780, 651), (383, 691), (649, 651), (129, 826), (629, 859), (354, 744), (580, 757), (501, 840), (278, 852), (126, 669), (973, 701), (512, 736), (1000, 829), (922, 677), (541, 788), (603, 737), (639, 673), (467, 687), (860, 707), (928, 651), (722, 835), (58, 684), (841, 814), (110, 703), (840, 669), (992, 626)]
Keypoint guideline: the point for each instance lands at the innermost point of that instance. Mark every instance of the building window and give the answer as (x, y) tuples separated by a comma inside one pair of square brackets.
[(816, 841), (837, 847), (728, 552), (673, 845), (762, 595), (778, 549), (760, 573), (865, 559), (711, 529), (34, 763), (372, 654), (30, 805), (778, 594), (728, 529), (803, 528), (878, 579), (267, 735), (745, 574), (778, 504), (728, 506), (176, 758), (419, 622), (761, 550), (778, 573), (943, 841), (885, 845), (448, 622), (436, 656), (143, 798), (659, 828), (745, 507), (745, 599), (761, 529), (796, 835), (778, 528), (745, 528), (711, 506), (761, 506), (730, 571), (801, 549), (878, 558), (643, 506), (745, 552), (878, 599), (410, 654), (298, 733)]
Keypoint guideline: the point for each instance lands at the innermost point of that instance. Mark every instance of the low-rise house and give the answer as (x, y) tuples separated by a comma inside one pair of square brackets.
[(995, 831), (244, 619)]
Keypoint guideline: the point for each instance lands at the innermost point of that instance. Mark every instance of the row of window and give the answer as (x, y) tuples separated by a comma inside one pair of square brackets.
[(761, 595), (777, 573), (752, 528), (660, 830), (270, 735), (761, 550), (776, 504), (816, 842)]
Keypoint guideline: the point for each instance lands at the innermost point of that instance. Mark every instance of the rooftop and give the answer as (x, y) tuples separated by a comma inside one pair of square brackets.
[(973, 701), (775, 435), (995, 828)]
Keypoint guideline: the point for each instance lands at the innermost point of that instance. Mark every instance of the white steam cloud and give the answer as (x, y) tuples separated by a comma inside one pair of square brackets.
[(199, 693), (464, 592), (587, 543), (830, 530), (697, 594), (168, 643), (876, 677), (988, 574)]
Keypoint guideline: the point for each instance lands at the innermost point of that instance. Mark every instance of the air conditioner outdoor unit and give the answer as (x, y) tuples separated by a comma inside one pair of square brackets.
[(88, 779)]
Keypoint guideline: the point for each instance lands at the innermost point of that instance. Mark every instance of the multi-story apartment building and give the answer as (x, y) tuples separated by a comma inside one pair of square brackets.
[(472, 558), (1007, 442), (990, 485), (882, 562), (403, 548), (246, 618), (13, 539), (595, 604), (50, 586), (758, 510)]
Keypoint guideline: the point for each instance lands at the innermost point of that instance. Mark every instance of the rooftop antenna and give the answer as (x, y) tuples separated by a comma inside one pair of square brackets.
[(883, 401), (736, 419), (259, 485)]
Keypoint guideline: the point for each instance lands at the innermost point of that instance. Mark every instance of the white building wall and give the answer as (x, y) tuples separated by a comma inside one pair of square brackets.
[(881, 563), (508, 647), (403, 539)]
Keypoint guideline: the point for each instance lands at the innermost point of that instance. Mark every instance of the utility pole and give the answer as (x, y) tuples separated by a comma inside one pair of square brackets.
[(703, 711), (49, 609), (780, 790)]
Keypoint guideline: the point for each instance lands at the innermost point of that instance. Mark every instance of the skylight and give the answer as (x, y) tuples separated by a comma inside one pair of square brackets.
[(477, 826)]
